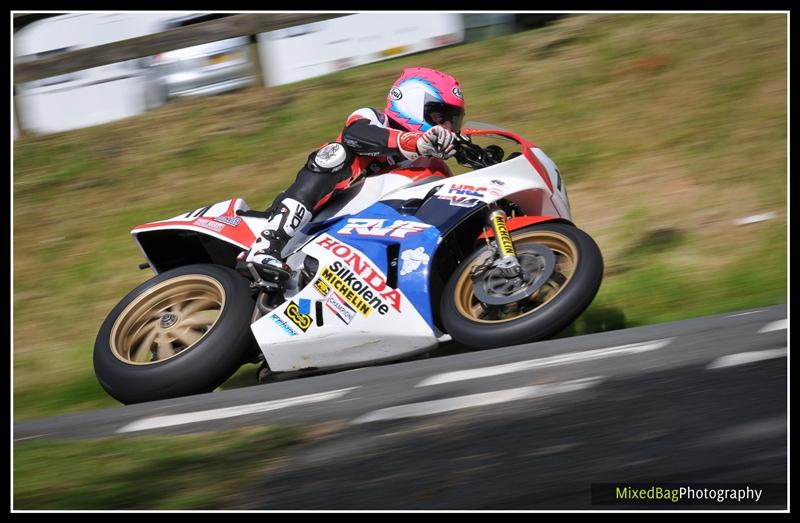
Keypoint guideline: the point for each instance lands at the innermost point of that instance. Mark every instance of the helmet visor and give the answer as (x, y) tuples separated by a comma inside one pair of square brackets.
[(437, 113)]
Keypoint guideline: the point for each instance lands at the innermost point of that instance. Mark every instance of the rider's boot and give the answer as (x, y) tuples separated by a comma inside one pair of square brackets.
[(287, 217)]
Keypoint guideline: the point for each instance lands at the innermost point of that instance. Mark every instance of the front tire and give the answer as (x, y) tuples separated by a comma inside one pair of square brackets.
[(184, 331), (576, 275)]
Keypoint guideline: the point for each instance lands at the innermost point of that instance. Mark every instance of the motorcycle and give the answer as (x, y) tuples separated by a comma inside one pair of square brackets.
[(389, 267)]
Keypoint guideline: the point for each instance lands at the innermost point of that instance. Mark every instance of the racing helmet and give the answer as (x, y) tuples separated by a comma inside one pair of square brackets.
[(422, 98)]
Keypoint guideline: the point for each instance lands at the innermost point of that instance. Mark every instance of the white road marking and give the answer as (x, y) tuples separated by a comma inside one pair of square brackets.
[(32, 437), (561, 359), (746, 357), (749, 431), (231, 412), (427, 408), (744, 313), (774, 326)]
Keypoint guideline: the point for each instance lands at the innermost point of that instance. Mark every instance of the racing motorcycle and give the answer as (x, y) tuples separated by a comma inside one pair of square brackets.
[(392, 265)]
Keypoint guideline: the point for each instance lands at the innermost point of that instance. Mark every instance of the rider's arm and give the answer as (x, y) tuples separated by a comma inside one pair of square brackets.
[(367, 133)]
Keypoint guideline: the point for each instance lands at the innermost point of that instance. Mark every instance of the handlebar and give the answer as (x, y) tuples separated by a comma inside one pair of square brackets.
[(472, 155)]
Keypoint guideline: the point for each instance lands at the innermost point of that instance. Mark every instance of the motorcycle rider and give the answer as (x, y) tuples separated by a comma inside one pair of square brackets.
[(424, 111)]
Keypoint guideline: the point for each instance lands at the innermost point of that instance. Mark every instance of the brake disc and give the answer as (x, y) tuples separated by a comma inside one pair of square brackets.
[(492, 287)]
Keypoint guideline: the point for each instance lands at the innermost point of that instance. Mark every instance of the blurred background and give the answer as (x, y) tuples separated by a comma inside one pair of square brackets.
[(670, 131), (126, 88)]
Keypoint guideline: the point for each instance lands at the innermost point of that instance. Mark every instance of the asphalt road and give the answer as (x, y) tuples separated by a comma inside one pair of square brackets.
[(524, 427)]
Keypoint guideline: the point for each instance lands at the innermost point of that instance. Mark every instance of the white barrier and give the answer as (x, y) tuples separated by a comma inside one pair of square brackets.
[(311, 50), (91, 96), (72, 108)]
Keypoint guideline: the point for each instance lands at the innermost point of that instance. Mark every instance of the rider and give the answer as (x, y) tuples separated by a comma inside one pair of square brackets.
[(424, 111)]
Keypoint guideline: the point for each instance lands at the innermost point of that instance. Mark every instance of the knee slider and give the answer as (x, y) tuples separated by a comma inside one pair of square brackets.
[(332, 158)]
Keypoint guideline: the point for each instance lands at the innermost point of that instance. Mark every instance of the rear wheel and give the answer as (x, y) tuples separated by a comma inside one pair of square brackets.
[(183, 332), (563, 269)]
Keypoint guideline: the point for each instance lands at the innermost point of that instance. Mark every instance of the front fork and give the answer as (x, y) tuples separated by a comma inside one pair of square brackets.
[(508, 264)]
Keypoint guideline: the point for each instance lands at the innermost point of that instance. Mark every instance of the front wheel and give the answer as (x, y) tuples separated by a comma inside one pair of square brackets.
[(563, 270), (184, 331)]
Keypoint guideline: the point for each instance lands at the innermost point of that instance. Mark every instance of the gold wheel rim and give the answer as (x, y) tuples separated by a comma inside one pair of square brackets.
[(168, 319), (566, 260)]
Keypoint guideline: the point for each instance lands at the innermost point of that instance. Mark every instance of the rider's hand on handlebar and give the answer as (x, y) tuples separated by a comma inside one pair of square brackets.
[(438, 142)]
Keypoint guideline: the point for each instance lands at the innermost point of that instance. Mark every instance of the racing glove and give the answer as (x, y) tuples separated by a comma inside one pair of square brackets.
[(437, 141)]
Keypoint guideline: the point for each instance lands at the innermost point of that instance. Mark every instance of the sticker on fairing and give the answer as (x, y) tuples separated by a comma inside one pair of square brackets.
[(292, 312), (412, 259), (459, 201), (283, 325), (209, 224), (233, 221), (375, 227), (467, 190), (341, 309), (495, 192), (322, 287), (304, 304)]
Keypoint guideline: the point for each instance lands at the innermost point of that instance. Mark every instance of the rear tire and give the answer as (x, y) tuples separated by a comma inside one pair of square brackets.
[(184, 331), (552, 307)]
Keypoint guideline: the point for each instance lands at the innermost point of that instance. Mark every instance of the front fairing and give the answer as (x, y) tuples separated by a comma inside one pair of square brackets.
[(446, 203), (366, 302)]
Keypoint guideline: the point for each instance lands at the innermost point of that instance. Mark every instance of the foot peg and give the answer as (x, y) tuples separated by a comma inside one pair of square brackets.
[(270, 280), (269, 271)]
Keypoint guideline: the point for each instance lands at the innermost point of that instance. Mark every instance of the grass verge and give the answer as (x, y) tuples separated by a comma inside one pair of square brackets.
[(189, 472)]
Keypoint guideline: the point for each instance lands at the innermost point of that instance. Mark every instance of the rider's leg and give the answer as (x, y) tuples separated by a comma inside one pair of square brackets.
[(324, 171)]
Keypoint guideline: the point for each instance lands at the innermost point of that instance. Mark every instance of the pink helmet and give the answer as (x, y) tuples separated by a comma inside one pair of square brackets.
[(422, 98)]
